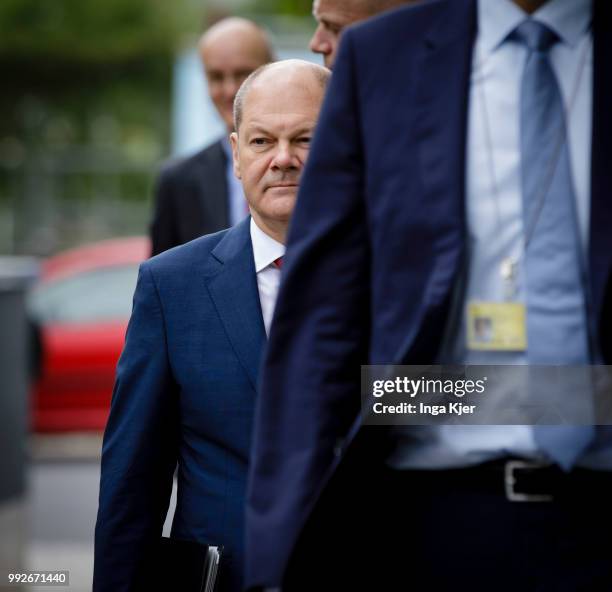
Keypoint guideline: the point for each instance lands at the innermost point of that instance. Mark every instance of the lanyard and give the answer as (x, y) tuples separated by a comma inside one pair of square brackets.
[(509, 265)]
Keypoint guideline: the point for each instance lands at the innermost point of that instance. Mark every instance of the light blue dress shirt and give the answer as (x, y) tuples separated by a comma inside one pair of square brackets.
[(238, 208), (494, 217)]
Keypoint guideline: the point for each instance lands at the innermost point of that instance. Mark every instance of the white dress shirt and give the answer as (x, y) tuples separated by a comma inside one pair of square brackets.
[(265, 251), (495, 222)]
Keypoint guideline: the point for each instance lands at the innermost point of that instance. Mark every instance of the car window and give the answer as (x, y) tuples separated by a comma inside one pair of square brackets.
[(103, 294)]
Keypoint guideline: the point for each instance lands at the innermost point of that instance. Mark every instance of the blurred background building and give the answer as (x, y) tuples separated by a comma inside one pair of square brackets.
[(95, 95)]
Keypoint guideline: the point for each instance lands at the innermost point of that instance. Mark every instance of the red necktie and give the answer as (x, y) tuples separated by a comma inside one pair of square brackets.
[(278, 262)]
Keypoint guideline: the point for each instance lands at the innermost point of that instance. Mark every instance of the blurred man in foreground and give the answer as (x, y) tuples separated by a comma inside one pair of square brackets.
[(459, 180), (333, 16), (187, 378), (200, 194)]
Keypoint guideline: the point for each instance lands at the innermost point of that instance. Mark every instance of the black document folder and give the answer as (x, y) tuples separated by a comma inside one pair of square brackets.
[(184, 566)]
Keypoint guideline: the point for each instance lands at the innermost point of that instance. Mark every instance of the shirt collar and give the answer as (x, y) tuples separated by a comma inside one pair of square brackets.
[(568, 18), (266, 250), (498, 18)]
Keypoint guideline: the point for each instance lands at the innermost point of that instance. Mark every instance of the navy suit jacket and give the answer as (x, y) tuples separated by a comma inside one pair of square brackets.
[(374, 250), (185, 393)]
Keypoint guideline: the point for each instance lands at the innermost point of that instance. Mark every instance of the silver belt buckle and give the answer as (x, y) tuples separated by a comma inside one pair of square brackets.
[(510, 481)]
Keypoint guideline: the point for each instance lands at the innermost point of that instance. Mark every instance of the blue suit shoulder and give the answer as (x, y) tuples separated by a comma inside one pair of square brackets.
[(182, 257)]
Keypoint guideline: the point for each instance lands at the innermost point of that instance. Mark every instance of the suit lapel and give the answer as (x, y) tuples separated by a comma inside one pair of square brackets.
[(215, 192), (440, 135), (233, 289), (601, 171)]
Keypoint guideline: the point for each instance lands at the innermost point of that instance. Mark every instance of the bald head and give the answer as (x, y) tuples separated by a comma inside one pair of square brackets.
[(236, 31), (286, 73), (230, 50), (333, 16)]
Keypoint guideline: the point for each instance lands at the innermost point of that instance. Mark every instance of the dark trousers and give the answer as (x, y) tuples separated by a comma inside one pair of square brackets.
[(454, 531)]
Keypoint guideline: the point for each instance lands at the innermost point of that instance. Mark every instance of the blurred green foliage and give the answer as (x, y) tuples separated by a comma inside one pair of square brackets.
[(281, 7), (51, 45), (85, 102), (88, 30)]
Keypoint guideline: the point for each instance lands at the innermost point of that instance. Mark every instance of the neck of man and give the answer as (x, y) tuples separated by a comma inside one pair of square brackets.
[(530, 6), (273, 228)]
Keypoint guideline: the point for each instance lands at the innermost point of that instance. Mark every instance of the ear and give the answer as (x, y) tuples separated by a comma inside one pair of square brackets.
[(234, 142)]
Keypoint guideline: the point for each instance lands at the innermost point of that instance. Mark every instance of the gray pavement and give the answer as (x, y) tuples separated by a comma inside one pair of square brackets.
[(61, 506)]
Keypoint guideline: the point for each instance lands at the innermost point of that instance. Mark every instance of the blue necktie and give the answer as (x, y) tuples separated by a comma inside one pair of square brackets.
[(556, 313)]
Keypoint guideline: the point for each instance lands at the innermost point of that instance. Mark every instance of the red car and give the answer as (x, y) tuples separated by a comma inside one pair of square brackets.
[(81, 306)]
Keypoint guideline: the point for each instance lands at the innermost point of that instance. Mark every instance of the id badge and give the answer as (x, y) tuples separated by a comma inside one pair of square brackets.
[(496, 326)]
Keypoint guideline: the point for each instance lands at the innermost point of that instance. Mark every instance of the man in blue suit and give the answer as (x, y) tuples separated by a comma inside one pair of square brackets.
[(187, 378), (430, 168)]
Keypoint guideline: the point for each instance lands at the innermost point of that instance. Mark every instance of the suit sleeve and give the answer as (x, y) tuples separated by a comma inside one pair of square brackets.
[(140, 447), (163, 230), (310, 392)]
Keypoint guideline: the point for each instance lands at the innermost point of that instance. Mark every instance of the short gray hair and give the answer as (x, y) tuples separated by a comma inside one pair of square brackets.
[(320, 73)]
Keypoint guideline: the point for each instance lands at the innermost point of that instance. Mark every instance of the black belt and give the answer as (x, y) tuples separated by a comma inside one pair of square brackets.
[(519, 480)]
